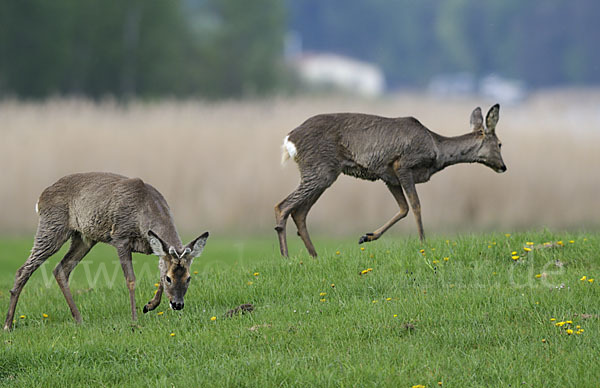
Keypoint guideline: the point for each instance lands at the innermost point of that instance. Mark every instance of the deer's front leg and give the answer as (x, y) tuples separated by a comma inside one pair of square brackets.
[(127, 265), (399, 196), (408, 184), (155, 301)]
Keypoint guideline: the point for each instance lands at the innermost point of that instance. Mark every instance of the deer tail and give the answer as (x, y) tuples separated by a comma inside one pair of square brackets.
[(288, 150)]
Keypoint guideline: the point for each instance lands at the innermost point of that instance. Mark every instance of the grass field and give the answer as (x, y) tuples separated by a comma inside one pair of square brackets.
[(464, 313)]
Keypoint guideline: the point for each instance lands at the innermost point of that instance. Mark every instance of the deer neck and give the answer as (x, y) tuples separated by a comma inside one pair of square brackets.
[(458, 149)]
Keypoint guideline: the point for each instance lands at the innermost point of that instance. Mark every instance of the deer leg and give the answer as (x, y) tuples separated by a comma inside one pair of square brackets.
[(127, 266), (155, 301), (409, 188), (48, 241), (300, 201), (299, 216), (399, 196), (62, 272)]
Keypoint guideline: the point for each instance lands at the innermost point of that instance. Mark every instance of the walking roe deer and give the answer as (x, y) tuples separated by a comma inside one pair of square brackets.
[(399, 151), (126, 213)]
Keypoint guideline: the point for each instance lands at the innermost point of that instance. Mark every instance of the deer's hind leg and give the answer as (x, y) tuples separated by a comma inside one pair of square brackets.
[(298, 203), (48, 240), (396, 191), (78, 249)]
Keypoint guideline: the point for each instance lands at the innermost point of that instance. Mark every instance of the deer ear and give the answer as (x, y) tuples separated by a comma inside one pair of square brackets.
[(476, 120), (159, 248), (197, 246), (491, 119)]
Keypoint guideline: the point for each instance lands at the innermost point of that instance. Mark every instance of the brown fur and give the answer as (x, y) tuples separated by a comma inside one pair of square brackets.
[(399, 151), (125, 213)]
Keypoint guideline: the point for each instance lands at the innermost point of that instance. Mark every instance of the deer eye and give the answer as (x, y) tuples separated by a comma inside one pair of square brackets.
[(499, 145), (168, 279)]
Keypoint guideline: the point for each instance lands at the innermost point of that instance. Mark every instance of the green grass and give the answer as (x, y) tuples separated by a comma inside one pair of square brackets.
[(477, 319)]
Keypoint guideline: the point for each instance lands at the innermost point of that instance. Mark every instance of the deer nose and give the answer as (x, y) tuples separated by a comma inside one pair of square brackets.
[(503, 168), (177, 306)]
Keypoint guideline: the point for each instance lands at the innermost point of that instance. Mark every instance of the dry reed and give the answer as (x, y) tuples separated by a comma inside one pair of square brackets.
[(218, 163)]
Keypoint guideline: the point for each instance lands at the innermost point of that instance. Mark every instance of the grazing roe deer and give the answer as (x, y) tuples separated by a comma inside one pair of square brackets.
[(399, 151), (126, 213)]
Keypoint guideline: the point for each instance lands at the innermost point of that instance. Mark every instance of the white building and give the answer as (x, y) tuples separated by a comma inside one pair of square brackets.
[(340, 72)]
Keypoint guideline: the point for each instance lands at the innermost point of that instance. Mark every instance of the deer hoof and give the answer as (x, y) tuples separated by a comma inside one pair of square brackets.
[(366, 238)]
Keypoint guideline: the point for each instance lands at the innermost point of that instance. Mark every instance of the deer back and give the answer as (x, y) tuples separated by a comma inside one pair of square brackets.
[(107, 207)]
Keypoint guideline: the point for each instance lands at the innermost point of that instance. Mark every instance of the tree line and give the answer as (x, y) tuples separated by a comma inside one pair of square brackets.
[(231, 48)]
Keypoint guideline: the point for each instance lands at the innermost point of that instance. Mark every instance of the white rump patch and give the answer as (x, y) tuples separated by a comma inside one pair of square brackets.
[(289, 150)]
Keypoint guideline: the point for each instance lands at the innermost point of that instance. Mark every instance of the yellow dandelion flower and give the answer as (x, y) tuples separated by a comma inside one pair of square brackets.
[(560, 324), (435, 262), (571, 241), (569, 331), (529, 243), (22, 317), (256, 273), (489, 246), (560, 243), (581, 330), (332, 285), (585, 239), (578, 327), (369, 269), (250, 283), (552, 319), (515, 257), (395, 315), (213, 318), (156, 285), (446, 258), (45, 315), (362, 248), (569, 322), (323, 300), (364, 271), (578, 332), (544, 340), (591, 280), (337, 252), (526, 249), (374, 301), (388, 299), (506, 234), (418, 386), (195, 272), (513, 253), (493, 242), (322, 294), (539, 275), (172, 334), (440, 383), (583, 278), (447, 241), (160, 313)]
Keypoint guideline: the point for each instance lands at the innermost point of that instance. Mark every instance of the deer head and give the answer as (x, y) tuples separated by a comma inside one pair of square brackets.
[(175, 265), (489, 149)]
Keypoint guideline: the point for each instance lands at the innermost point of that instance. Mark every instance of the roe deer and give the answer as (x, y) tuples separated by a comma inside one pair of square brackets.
[(399, 151), (126, 213)]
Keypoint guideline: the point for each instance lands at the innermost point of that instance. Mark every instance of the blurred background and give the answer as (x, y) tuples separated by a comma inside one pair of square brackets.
[(195, 97)]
